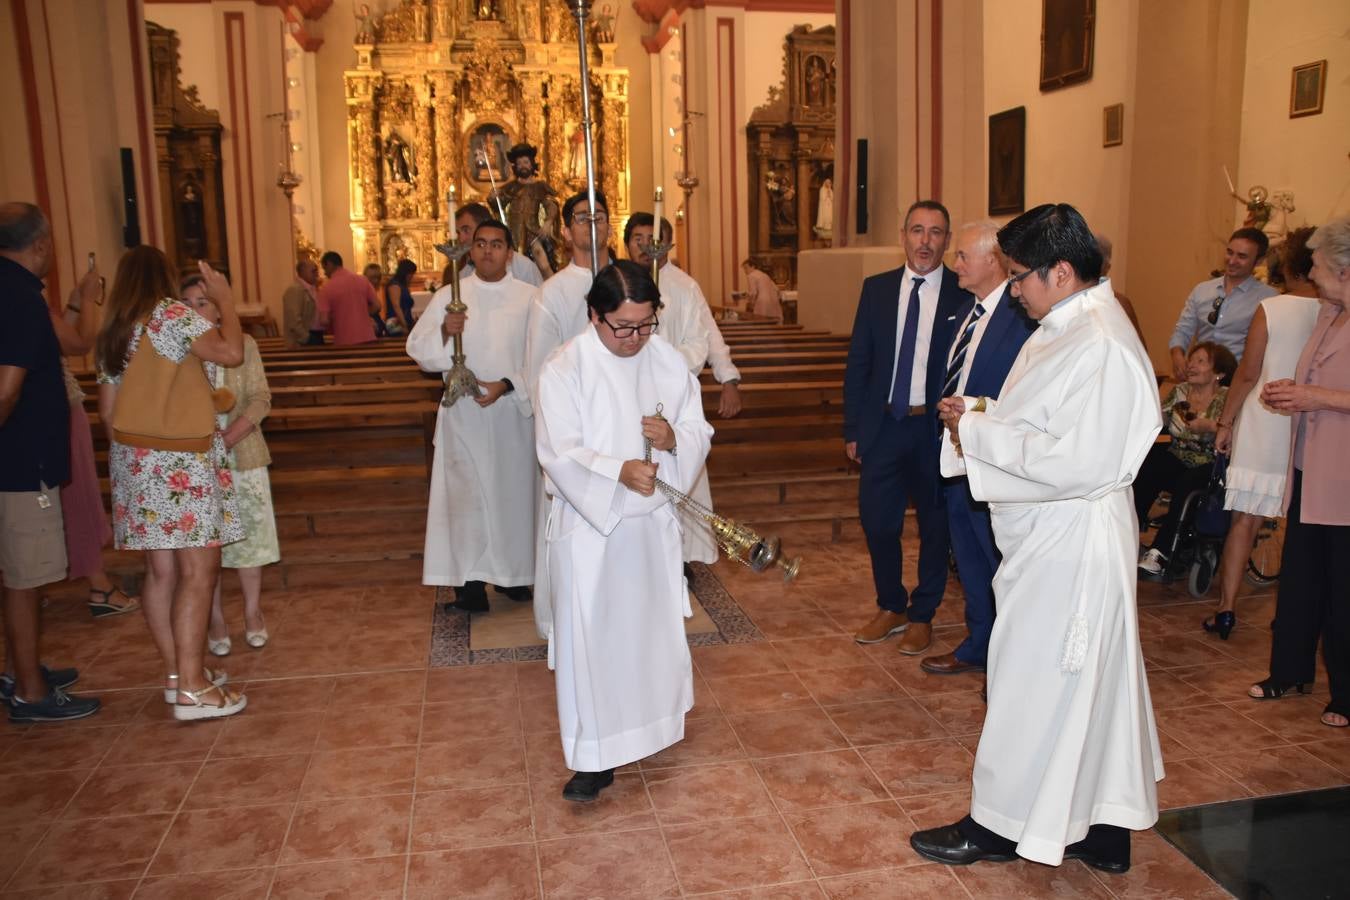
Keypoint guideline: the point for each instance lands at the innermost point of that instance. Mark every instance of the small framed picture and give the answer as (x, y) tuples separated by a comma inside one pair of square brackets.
[(1007, 161), (1307, 85), (1113, 125)]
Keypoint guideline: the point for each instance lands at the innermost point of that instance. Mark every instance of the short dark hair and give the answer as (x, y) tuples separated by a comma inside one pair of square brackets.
[(1256, 236), (1052, 233), (1293, 257), (479, 212), (929, 204), (190, 281), (572, 201), (500, 226), (21, 225), (1220, 357), (331, 258), (644, 220), (620, 281)]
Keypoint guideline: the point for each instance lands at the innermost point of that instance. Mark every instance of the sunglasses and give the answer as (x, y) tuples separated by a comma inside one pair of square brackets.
[(1213, 316)]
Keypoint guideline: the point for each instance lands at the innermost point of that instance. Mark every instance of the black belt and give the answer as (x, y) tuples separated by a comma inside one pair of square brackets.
[(912, 410)]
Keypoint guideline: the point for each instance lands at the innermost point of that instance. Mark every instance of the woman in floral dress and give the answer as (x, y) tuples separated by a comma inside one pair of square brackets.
[(178, 506)]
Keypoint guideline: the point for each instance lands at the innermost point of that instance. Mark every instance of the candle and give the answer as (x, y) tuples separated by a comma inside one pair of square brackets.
[(656, 215)]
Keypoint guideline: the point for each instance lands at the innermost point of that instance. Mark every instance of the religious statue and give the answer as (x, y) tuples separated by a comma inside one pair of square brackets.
[(815, 81), (531, 207), (489, 9), (782, 195), (399, 164), (603, 24), (825, 210), (193, 220)]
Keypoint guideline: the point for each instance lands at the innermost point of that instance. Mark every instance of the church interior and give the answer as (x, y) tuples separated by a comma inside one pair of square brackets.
[(395, 747)]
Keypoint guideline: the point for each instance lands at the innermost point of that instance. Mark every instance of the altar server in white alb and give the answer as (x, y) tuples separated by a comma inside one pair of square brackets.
[(480, 514), (1068, 760), (624, 677)]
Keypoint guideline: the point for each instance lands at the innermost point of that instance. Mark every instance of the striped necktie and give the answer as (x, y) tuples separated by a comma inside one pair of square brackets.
[(959, 354)]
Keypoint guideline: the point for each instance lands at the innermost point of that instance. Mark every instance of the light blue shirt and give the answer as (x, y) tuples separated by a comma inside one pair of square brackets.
[(1235, 315)]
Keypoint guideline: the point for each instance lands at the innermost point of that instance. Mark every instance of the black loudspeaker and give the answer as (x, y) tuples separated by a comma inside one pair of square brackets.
[(862, 187), (131, 230)]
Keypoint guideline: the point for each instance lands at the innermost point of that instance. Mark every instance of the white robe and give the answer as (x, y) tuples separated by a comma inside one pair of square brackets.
[(521, 267), (558, 314), (481, 509), (1069, 739), (623, 671)]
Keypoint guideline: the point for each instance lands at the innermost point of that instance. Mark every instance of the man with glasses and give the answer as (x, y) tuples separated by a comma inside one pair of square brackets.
[(1221, 309), (480, 513)]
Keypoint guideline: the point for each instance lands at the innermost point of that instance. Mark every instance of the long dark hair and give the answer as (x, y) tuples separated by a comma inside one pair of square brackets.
[(143, 279), (405, 269)]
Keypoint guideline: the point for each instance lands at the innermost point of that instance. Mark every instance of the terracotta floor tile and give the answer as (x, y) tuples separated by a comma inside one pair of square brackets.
[(1215, 730), (168, 742), (117, 708), (74, 748), (1192, 782), (207, 840), (290, 696), (369, 879), (1335, 752), (707, 793), (473, 682), (1158, 871), (846, 839), (935, 810), (805, 730), (101, 890), (339, 774), (1223, 682), (759, 693), (480, 817), (813, 780), (922, 768), (250, 884), (1280, 770), (624, 805), (926, 882), (486, 873), (1296, 718), (369, 727), (1168, 691), (254, 780), (532, 677), (886, 723), (26, 798), (381, 689), (110, 849), (470, 720), (347, 829), (472, 764), (1176, 651), (624, 864), (544, 758), (18, 839), (705, 741), (539, 712), (959, 713), (798, 890), (738, 659), (833, 652), (738, 853), (855, 684), (1032, 881), (918, 683), (246, 735), (781, 625), (132, 790)]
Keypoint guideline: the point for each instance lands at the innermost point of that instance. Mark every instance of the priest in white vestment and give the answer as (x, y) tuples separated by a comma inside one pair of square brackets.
[(481, 509), (558, 315), (1068, 760), (623, 671)]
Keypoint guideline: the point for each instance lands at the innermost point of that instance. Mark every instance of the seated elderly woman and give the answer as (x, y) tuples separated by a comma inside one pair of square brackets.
[(1192, 412)]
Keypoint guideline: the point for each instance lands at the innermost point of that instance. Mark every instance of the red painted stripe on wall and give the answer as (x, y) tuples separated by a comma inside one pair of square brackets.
[(33, 116)]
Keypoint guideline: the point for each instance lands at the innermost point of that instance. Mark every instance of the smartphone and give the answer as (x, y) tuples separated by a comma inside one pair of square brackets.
[(92, 262)]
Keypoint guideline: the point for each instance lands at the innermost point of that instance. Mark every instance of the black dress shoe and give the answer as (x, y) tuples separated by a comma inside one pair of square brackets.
[(471, 597), (520, 594), (584, 787), (1115, 867), (948, 845), (1105, 848)]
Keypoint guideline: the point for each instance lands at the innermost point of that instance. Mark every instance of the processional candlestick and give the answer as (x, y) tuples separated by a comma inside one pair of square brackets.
[(459, 381)]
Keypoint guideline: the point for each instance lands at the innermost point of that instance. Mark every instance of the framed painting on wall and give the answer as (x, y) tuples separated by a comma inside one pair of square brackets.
[(1007, 161), (1067, 28), (1307, 86), (1113, 125)]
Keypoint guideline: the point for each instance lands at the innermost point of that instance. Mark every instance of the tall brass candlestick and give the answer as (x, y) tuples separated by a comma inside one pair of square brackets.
[(459, 381)]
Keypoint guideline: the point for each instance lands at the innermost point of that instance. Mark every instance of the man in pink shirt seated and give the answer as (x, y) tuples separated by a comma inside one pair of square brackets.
[(762, 297), (346, 301)]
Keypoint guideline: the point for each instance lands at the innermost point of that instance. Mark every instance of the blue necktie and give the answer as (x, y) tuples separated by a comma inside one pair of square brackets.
[(959, 355), (904, 366)]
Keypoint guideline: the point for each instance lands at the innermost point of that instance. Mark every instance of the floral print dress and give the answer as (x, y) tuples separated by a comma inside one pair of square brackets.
[(169, 499)]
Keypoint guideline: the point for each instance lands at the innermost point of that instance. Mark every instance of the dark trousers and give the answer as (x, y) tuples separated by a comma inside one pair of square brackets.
[(902, 466), (1162, 471), (1109, 843), (977, 560), (1313, 602), (315, 339)]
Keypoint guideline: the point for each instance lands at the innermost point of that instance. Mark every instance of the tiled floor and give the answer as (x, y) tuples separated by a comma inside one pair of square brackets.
[(357, 771)]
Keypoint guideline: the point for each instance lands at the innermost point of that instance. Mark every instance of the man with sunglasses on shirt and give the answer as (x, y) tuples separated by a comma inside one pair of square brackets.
[(1221, 309)]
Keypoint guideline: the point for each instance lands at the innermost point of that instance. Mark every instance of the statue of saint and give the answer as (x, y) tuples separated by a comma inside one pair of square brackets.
[(825, 210), (398, 162), (531, 208), (815, 81)]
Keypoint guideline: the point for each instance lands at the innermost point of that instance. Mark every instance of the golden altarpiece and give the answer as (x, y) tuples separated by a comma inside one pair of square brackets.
[(790, 140), (442, 89)]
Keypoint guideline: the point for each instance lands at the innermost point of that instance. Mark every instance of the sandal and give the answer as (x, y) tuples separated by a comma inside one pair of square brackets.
[(229, 705), (217, 679), (105, 607), (218, 647), (1270, 689), (1331, 712)]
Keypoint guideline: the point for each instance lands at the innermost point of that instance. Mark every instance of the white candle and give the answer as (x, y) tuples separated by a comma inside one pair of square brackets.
[(656, 215)]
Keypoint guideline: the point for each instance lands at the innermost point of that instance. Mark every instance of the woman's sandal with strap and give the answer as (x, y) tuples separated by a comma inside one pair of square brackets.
[(102, 608), (199, 710), (1272, 690), (1334, 712), (217, 679)]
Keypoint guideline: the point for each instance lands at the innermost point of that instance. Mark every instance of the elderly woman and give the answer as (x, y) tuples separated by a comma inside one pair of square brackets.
[(1192, 412), (1259, 438), (1314, 597)]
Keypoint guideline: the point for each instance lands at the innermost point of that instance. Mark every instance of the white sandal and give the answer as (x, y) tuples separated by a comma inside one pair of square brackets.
[(199, 710), (217, 679), (257, 639), (219, 647)]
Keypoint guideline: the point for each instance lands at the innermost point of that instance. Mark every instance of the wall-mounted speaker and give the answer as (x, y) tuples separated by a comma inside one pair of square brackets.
[(862, 187), (131, 227)]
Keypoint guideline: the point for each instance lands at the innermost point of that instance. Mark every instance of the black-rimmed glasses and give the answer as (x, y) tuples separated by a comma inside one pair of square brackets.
[(1214, 309), (627, 331)]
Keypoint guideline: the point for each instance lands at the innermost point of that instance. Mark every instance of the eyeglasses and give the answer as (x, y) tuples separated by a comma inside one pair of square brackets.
[(587, 218), (1016, 278), (627, 331), (1218, 305)]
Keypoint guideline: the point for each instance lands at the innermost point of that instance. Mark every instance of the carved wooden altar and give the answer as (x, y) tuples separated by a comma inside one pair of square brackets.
[(443, 88), (791, 146), (187, 145)]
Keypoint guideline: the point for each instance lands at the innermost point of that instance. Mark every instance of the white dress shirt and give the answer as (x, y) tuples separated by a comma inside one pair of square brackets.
[(988, 304), (928, 301)]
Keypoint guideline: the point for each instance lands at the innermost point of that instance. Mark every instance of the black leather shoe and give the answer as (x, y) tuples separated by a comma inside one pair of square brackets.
[(522, 594), (584, 787), (1115, 867), (948, 845)]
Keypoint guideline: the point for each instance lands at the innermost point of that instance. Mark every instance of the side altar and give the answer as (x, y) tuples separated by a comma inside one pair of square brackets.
[(443, 89)]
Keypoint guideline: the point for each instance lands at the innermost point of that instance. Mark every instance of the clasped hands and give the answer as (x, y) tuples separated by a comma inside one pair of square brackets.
[(1288, 396), (639, 476)]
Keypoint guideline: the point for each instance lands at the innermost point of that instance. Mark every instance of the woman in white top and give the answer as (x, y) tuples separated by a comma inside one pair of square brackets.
[(1258, 440)]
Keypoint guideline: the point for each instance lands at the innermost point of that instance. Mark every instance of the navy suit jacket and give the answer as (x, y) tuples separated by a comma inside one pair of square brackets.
[(1008, 329), (871, 353)]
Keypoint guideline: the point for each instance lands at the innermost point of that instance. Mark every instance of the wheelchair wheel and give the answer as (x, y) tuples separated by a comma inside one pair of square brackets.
[(1263, 567), (1202, 572)]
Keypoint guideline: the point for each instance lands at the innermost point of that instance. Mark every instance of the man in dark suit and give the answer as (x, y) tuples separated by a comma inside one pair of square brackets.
[(992, 331), (892, 382)]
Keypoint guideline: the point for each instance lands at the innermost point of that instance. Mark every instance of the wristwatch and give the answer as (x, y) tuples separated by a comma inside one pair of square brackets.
[(509, 386), (732, 381)]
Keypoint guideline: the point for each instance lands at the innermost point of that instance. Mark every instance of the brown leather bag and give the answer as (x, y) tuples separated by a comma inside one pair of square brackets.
[(163, 405)]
